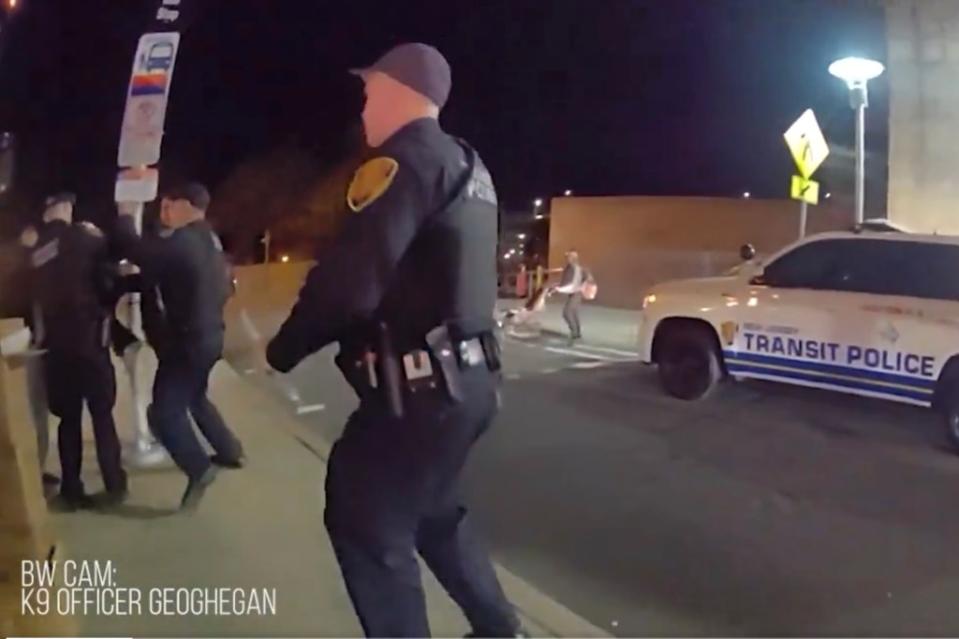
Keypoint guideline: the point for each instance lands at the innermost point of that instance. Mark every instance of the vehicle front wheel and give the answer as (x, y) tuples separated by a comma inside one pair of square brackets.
[(688, 359), (949, 408)]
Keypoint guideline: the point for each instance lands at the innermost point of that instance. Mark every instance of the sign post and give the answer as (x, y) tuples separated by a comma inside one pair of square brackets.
[(809, 149), (141, 138)]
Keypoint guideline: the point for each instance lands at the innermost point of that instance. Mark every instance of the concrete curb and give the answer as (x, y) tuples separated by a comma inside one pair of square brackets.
[(542, 615)]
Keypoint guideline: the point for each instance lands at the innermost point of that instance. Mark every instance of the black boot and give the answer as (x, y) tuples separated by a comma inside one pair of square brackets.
[(195, 489), (228, 462)]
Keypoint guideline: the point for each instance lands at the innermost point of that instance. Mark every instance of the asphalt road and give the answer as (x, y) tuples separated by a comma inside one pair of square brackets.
[(764, 510)]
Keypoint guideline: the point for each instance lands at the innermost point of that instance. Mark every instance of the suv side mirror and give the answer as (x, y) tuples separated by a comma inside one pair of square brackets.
[(747, 252)]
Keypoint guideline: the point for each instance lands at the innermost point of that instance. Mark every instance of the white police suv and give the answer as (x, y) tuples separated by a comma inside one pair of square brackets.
[(867, 313)]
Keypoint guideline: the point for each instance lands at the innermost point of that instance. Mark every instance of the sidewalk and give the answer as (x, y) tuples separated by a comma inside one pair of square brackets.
[(602, 325), (259, 527)]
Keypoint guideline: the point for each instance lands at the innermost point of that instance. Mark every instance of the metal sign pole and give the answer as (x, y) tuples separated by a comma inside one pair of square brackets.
[(803, 211), (145, 451), (140, 140)]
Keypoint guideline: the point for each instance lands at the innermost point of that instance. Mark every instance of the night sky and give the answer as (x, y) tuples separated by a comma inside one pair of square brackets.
[(671, 97)]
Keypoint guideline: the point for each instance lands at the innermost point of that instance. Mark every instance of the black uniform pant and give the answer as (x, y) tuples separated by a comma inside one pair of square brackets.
[(180, 392), (571, 315), (72, 379), (392, 492)]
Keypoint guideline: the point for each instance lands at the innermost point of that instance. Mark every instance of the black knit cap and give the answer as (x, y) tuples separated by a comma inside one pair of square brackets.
[(418, 66), (193, 192)]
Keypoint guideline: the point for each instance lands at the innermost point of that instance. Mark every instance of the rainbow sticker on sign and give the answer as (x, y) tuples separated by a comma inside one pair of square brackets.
[(148, 84)]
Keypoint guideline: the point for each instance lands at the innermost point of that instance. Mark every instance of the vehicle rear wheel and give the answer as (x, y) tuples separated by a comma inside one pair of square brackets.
[(689, 365)]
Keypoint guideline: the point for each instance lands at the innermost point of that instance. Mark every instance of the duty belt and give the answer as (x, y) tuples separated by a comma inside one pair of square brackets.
[(380, 373), (418, 366)]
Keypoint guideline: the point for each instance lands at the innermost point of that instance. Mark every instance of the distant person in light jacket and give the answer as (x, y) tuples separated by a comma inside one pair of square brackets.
[(571, 283)]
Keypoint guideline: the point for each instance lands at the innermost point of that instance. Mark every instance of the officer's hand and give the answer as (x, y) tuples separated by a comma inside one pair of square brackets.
[(127, 208), (29, 237)]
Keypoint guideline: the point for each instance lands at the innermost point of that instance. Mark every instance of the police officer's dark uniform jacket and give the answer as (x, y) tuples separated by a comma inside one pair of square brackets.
[(417, 256), (408, 291), (185, 291), (73, 326), (182, 275)]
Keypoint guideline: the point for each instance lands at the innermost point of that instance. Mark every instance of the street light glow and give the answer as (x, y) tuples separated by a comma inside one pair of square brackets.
[(856, 71), (522, 236), (567, 192), (539, 216), (747, 195), (538, 202), (285, 259), (828, 195), (12, 4)]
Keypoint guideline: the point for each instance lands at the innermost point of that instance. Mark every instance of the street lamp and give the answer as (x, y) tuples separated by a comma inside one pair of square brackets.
[(856, 73), (567, 192), (538, 202), (747, 195)]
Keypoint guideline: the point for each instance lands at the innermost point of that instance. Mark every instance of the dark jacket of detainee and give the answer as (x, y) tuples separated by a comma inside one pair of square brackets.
[(65, 267)]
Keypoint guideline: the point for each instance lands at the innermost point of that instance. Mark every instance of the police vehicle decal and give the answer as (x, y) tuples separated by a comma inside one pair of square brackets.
[(900, 374)]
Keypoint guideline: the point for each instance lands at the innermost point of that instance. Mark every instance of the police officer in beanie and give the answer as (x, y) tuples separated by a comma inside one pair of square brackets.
[(184, 275), (413, 315), (72, 325)]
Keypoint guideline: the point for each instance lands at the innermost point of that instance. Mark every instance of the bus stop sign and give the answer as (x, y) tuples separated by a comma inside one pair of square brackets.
[(141, 134)]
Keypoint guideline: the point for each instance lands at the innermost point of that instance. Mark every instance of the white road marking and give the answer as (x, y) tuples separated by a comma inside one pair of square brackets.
[(611, 351), (569, 351), (588, 365), (310, 408), (512, 375)]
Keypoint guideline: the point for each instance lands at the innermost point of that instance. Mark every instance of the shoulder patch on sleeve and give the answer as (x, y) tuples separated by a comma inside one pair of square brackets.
[(370, 182)]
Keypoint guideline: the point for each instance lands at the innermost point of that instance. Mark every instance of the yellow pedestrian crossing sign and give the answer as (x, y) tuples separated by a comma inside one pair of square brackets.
[(806, 143), (805, 190)]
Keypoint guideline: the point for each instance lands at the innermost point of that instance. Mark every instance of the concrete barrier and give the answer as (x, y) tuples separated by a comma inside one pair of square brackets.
[(25, 532)]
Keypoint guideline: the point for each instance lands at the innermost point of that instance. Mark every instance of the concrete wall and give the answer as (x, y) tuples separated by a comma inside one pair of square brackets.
[(265, 293), (631, 243), (269, 286), (923, 67)]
